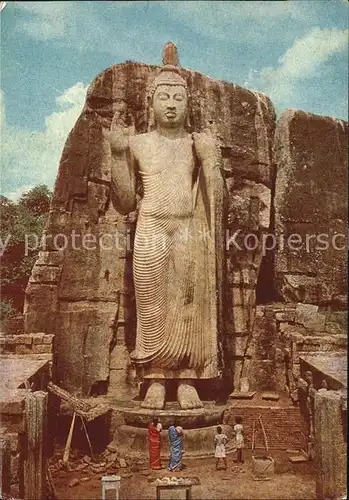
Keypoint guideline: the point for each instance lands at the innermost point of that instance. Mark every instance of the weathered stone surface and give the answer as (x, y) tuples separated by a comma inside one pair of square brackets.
[(119, 358), (270, 396), (311, 201), (308, 316), (12, 401), (249, 204), (72, 175), (38, 338), (15, 370), (85, 331), (287, 315), (35, 462), (5, 465), (40, 308), (302, 385), (243, 122), (336, 322), (298, 459), (120, 383), (42, 349), (133, 441), (25, 339), (93, 270), (47, 258), (15, 324), (330, 367), (23, 349), (45, 274), (326, 343), (242, 395), (48, 339), (74, 482), (330, 446)]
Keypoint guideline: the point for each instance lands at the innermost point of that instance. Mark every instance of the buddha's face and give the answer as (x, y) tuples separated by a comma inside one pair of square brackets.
[(170, 104)]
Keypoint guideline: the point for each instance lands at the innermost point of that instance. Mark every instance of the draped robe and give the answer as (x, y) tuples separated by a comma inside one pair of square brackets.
[(176, 449), (154, 445), (177, 261)]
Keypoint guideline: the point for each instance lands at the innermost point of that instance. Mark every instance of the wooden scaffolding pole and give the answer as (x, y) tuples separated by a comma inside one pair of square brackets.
[(5, 465), (36, 432)]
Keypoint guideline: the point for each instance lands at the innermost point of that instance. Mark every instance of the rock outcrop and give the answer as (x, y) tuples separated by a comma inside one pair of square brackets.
[(311, 155), (83, 292)]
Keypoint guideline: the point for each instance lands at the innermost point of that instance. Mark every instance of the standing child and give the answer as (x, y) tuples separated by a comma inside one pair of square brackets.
[(220, 441), (239, 438)]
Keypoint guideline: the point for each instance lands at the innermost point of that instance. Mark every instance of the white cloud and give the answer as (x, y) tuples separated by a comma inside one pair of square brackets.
[(301, 61), (48, 19), (17, 193), (62, 20), (236, 9), (85, 26), (222, 20), (31, 157)]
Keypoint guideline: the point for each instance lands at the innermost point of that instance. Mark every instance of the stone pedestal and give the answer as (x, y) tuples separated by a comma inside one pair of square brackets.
[(198, 443), (330, 446), (200, 426)]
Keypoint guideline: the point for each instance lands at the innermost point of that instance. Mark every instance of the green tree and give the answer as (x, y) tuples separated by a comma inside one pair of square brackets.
[(18, 221), (37, 200)]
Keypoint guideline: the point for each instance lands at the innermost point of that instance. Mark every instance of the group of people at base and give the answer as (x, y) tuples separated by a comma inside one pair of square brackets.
[(175, 437), (221, 440)]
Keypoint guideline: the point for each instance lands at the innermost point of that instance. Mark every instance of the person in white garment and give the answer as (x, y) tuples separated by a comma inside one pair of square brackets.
[(239, 439), (220, 440)]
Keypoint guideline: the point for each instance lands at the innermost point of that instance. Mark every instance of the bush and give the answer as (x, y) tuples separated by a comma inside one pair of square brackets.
[(6, 309), (28, 216)]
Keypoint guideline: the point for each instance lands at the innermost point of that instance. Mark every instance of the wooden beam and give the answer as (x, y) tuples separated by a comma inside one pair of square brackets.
[(253, 434), (264, 433), (68, 443), (87, 436), (72, 400)]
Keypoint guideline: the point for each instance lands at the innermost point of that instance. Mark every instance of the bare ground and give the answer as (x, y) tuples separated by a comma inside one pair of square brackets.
[(290, 481)]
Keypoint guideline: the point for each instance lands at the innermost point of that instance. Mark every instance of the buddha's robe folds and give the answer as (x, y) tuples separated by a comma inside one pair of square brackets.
[(177, 266)]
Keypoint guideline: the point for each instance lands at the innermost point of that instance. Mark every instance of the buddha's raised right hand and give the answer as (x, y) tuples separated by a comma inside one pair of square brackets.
[(118, 136)]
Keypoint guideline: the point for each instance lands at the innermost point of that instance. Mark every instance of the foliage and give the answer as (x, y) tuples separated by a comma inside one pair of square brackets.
[(37, 200), (6, 309), (21, 222)]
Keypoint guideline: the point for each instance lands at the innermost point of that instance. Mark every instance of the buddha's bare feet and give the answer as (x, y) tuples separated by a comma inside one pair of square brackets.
[(187, 396), (155, 397)]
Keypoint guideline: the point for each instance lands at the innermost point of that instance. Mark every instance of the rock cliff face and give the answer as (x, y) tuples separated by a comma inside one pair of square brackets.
[(311, 154), (83, 293), (296, 182), (310, 256)]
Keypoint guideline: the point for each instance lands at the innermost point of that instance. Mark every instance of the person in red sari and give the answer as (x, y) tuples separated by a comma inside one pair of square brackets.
[(154, 443)]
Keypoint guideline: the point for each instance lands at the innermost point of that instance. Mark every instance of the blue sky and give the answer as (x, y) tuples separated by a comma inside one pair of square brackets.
[(296, 52)]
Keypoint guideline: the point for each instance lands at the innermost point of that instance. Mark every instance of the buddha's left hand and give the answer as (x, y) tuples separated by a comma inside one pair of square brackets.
[(205, 145)]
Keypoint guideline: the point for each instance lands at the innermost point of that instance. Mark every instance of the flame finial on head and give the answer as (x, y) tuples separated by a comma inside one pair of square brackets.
[(170, 55), (169, 73)]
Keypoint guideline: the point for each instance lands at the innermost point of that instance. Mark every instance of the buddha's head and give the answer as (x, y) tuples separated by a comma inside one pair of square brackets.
[(169, 93), (170, 105)]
